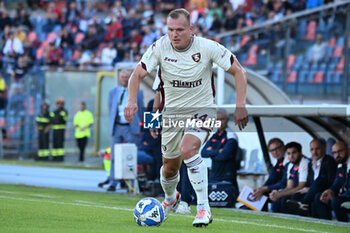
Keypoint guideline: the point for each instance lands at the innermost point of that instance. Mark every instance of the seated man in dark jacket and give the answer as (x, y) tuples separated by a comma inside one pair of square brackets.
[(339, 192), (277, 150), (324, 170), (222, 148)]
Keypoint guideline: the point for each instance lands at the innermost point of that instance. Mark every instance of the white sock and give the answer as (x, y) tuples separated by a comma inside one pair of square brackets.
[(198, 176), (169, 186)]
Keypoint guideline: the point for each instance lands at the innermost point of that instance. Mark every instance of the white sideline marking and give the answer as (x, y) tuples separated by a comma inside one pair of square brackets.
[(88, 202), (9, 192), (127, 209), (29, 194), (42, 195)]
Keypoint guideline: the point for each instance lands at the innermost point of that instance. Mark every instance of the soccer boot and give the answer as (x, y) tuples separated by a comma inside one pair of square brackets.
[(171, 207), (183, 208), (203, 218)]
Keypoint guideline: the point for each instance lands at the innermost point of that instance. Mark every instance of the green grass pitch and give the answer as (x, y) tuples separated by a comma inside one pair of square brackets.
[(25, 209)]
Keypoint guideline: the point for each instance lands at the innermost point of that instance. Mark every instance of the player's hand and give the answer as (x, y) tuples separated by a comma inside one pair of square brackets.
[(130, 110), (241, 117)]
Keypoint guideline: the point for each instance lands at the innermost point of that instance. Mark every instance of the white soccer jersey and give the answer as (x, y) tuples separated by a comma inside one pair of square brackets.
[(186, 76)]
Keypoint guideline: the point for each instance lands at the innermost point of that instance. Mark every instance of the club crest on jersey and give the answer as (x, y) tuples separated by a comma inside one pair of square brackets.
[(196, 57)]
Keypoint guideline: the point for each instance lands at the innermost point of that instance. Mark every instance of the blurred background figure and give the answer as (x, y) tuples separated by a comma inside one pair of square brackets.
[(122, 131), (106, 155), (83, 121), (58, 120), (43, 125)]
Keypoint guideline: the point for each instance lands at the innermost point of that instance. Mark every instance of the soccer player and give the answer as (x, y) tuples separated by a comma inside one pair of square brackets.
[(185, 63)]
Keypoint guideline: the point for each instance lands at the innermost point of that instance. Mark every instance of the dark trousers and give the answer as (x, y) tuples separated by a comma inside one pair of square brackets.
[(340, 213), (81, 143), (43, 145), (58, 144), (320, 209), (280, 206)]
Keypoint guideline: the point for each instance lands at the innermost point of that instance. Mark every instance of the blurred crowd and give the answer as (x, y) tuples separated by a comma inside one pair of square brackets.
[(94, 35), (88, 34)]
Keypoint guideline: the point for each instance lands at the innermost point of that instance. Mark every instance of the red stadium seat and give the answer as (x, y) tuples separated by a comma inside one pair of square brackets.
[(318, 78), (332, 42), (311, 31), (292, 77), (252, 60), (338, 51), (339, 69), (291, 60), (244, 41)]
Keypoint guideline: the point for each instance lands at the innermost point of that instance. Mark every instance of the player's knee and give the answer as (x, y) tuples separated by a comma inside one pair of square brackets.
[(169, 172), (187, 151)]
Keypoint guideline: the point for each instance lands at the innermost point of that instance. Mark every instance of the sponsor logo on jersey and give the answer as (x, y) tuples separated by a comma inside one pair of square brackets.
[(170, 59), (196, 57), (182, 84)]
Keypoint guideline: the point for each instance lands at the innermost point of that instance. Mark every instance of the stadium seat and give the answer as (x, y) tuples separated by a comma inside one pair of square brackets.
[(275, 76), (302, 76), (252, 56), (310, 76), (338, 51), (301, 30), (329, 77), (318, 77), (340, 41), (244, 41), (322, 67), (291, 60), (251, 61), (338, 78), (314, 66), (332, 42), (340, 66), (292, 77), (310, 31)]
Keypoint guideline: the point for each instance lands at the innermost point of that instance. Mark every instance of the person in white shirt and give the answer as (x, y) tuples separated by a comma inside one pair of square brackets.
[(13, 46), (185, 63), (108, 54), (318, 51), (296, 177)]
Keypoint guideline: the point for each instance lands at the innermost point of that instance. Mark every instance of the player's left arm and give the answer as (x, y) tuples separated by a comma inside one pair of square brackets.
[(241, 113)]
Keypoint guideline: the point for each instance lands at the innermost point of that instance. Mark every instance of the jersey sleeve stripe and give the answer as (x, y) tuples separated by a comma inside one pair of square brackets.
[(143, 65), (232, 59)]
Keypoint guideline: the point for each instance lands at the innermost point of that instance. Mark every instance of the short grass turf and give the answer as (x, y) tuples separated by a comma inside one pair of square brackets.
[(31, 209)]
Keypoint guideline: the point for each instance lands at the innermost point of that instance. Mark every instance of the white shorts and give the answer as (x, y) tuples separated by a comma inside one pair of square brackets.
[(173, 134)]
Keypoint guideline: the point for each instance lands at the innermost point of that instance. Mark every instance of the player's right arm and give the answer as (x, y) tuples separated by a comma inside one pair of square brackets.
[(133, 89)]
